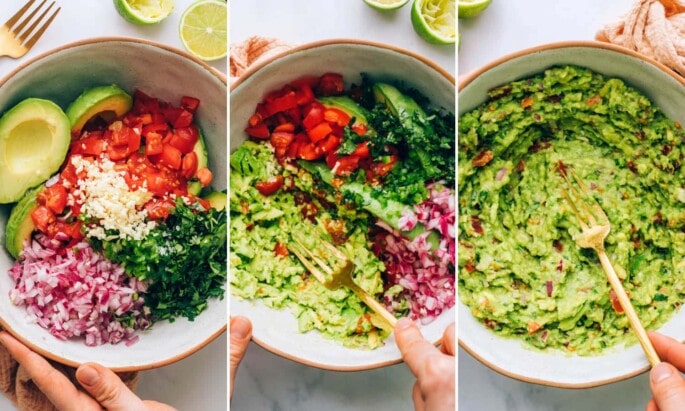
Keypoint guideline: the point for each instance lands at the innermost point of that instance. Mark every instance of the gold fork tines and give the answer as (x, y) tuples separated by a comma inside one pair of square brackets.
[(595, 226), (15, 39), (317, 262)]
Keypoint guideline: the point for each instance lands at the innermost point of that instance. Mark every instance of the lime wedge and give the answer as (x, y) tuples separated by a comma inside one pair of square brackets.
[(144, 11), (204, 29), (472, 8), (435, 20), (386, 4)]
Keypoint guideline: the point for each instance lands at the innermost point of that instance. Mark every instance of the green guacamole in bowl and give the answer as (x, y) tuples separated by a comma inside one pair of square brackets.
[(520, 271)]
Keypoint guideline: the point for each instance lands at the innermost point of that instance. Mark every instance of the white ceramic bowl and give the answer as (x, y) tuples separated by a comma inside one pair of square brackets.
[(163, 72), (277, 331), (509, 356)]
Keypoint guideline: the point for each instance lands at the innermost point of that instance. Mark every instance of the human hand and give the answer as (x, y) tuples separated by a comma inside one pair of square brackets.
[(241, 334), (433, 368), (665, 381), (105, 390)]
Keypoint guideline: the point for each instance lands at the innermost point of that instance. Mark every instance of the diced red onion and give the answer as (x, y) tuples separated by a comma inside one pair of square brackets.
[(550, 288), (501, 173), (77, 293), (427, 276)]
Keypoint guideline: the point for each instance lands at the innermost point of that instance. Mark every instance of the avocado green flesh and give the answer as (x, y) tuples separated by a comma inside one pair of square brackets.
[(217, 200), (520, 270), (20, 224), (34, 139), (259, 222), (109, 102)]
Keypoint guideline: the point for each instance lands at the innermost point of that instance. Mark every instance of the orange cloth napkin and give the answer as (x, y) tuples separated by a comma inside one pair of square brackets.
[(655, 28), (254, 49), (17, 385)]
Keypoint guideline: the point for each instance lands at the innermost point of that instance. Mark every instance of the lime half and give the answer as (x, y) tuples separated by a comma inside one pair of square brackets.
[(144, 11), (472, 8), (204, 29), (386, 4), (435, 20)]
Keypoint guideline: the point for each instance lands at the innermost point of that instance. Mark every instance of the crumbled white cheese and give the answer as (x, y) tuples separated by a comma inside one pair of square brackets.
[(107, 199)]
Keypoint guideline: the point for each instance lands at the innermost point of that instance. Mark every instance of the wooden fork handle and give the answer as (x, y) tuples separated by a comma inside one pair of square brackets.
[(629, 310), (377, 307)]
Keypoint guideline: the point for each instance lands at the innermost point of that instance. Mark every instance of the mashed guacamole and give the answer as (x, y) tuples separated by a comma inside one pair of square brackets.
[(520, 270), (261, 269)]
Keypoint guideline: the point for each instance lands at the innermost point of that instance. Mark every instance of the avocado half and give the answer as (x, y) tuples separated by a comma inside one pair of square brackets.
[(108, 102), (20, 224), (395, 101), (34, 139)]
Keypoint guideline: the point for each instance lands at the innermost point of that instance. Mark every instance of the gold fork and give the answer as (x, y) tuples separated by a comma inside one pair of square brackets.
[(595, 227), (336, 278), (14, 40)]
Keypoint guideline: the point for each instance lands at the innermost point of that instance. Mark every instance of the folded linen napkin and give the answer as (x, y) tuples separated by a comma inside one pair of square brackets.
[(655, 28)]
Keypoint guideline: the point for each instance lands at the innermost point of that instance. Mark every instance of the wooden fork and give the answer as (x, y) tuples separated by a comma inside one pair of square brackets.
[(335, 278), (595, 227), (15, 41)]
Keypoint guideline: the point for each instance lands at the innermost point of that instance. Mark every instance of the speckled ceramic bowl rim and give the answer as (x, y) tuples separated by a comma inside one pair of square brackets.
[(214, 72), (465, 80), (323, 43)]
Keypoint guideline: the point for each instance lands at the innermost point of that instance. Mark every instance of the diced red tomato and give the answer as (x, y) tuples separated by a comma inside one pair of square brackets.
[(319, 131), (615, 302), (155, 127), (54, 198), (171, 113), (171, 157), (314, 115), (359, 128), (270, 186), (279, 104), (308, 152), (118, 137), (117, 153), (339, 117), (69, 173), (281, 250), (159, 209), (289, 127), (190, 103), (153, 144), (362, 150), (42, 217), (260, 131), (92, 146), (346, 165), (281, 139), (189, 165), (328, 144), (184, 119), (205, 176), (331, 84), (184, 138), (133, 140), (255, 119), (156, 183)]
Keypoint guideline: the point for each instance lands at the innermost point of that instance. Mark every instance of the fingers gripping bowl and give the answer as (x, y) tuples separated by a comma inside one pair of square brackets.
[(167, 74), (588, 347), (277, 330)]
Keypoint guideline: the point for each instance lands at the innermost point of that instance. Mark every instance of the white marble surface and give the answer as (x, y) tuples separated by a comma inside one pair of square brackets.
[(266, 381), (505, 27), (198, 382)]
